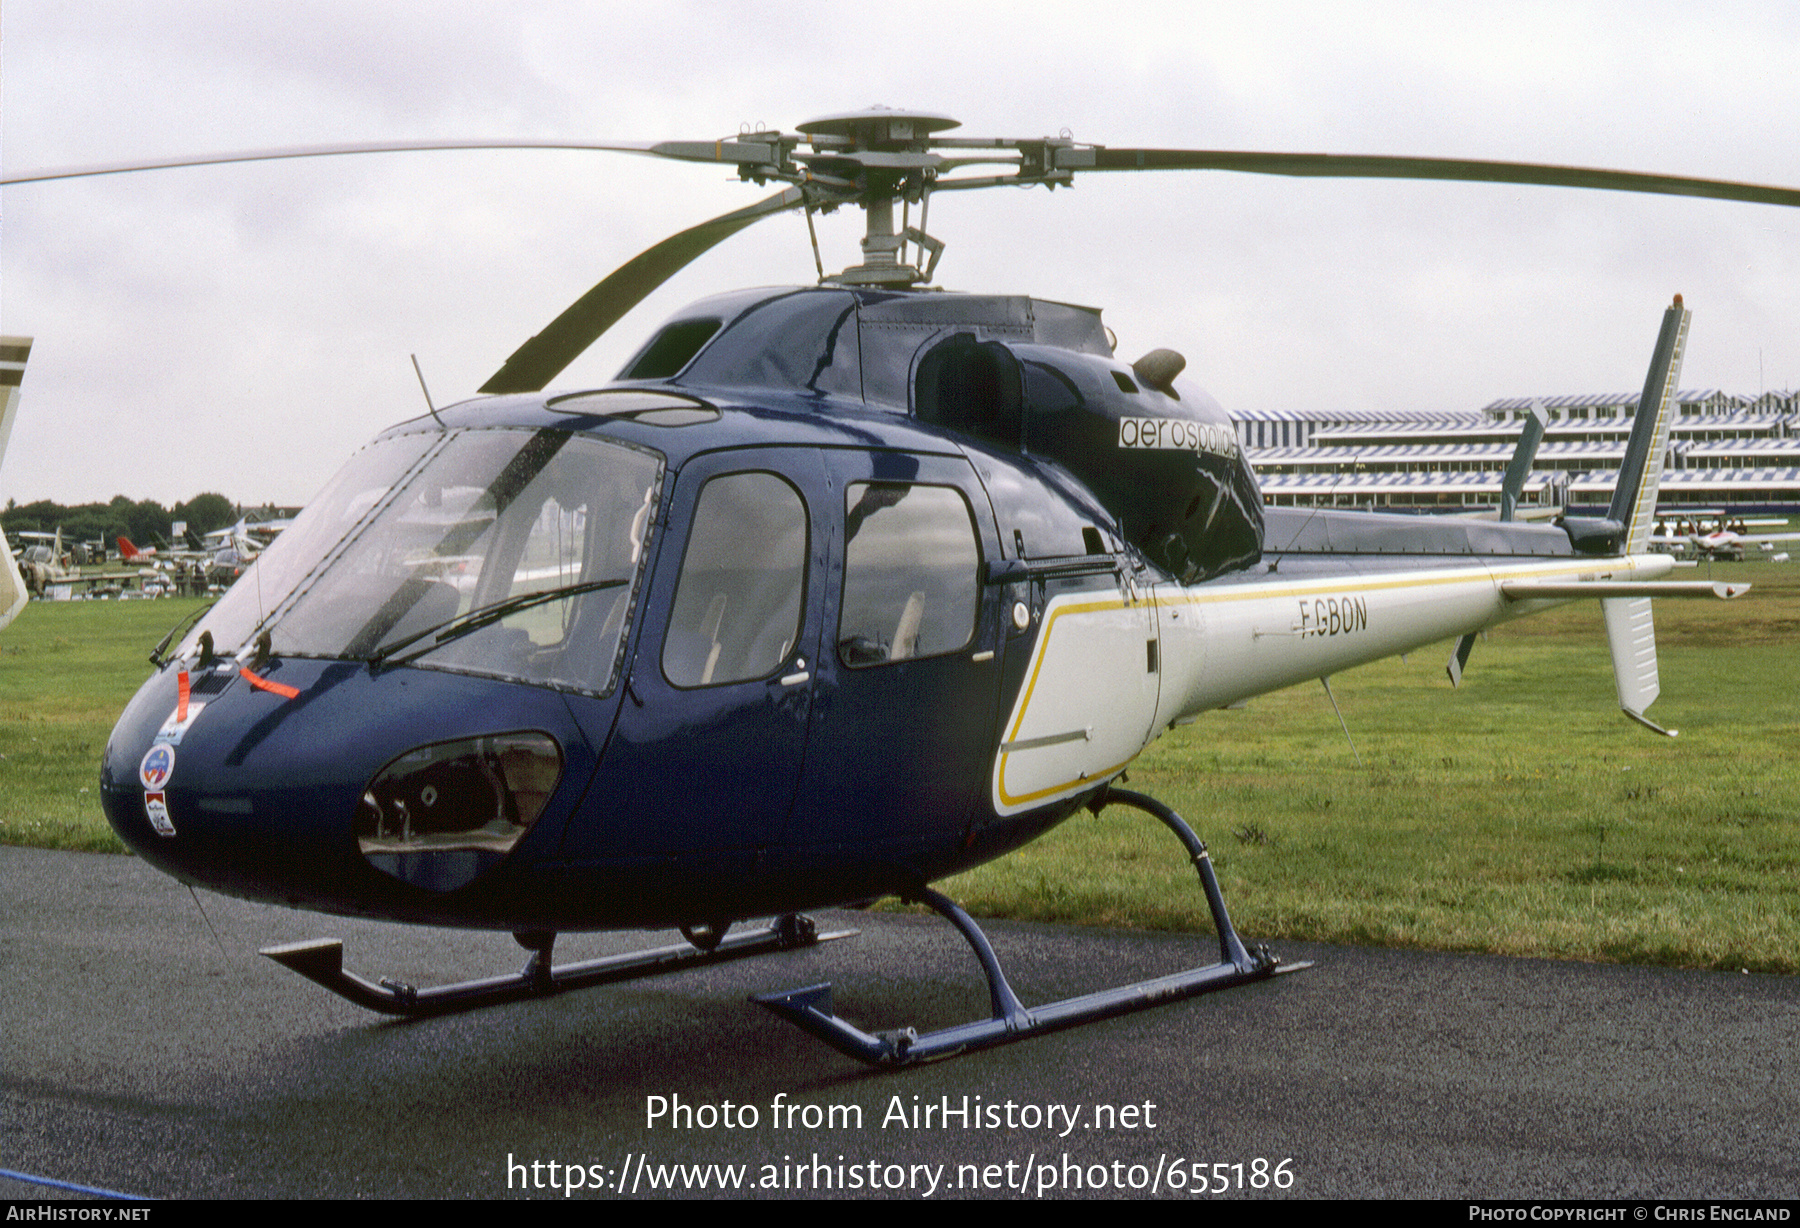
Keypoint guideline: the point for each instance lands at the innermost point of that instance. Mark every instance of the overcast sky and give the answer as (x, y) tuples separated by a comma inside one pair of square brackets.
[(244, 329)]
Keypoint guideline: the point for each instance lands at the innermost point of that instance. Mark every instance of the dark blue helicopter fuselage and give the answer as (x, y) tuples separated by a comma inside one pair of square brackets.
[(853, 755)]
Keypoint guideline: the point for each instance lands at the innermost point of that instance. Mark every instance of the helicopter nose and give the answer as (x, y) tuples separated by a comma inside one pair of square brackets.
[(197, 776), (353, 794)]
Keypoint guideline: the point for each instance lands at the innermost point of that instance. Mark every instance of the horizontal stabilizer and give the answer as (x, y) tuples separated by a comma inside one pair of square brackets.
[(1540, 590), (1630, 632)]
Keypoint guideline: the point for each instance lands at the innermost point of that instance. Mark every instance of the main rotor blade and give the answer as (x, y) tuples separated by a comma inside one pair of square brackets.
[(543, 358), (318, 151), (1375, 166), (753, 150)]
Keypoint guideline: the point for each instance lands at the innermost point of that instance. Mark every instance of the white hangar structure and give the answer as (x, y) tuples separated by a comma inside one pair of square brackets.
[(1731, 453)]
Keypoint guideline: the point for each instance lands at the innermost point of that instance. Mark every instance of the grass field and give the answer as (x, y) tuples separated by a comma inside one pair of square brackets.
[(67, 669), (1521, 814)]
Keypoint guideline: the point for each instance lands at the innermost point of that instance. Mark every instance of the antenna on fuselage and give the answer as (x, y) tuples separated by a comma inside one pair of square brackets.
[(424, 389), (1325, 681)]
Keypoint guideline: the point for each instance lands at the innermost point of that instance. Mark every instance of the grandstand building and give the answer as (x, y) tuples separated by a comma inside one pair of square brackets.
[(1731, 453)]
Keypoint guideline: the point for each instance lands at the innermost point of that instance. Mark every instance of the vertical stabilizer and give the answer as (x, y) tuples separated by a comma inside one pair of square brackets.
[(1531, 434), (1632, 637), (1630, 632), (1640, 476)]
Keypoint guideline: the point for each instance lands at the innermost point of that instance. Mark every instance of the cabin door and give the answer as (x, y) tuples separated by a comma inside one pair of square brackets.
[(711, 733), (903, 711)]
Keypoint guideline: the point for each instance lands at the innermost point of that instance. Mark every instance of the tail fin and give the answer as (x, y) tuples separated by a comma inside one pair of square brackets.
[(1630, 633), (1632, 514), (1640, 477), (1626, 529), (1531, 434)]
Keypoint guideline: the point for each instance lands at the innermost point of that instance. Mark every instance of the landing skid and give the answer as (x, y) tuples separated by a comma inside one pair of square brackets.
[(810, 1008), (322, 961)]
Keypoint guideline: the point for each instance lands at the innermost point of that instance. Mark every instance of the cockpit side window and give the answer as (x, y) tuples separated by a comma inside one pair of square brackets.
[(911, 573), (743, 582)]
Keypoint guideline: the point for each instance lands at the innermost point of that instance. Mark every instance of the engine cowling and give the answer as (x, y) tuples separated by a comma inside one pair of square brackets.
[(1162, 457)]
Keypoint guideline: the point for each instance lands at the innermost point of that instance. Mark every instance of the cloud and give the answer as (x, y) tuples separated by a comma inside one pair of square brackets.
[(243, 329)]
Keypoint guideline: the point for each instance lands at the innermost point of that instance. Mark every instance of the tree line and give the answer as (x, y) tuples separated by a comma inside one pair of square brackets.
[(145, 522)]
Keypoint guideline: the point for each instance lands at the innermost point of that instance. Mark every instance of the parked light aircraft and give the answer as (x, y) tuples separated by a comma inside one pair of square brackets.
[(835, 591), (1729, 543), (131, 553), (44, 562), (1713, 534)]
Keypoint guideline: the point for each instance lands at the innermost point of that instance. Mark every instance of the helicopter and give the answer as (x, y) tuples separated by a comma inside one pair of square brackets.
[(834, 591)]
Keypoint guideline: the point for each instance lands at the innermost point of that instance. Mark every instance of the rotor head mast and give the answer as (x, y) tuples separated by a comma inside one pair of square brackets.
[(875, 159), (879, 156)]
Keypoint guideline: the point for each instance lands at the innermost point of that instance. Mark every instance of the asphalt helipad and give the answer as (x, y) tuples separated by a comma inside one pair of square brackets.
[(143, 1056)]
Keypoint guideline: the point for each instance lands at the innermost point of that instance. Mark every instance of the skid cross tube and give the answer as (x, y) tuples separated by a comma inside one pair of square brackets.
[(810, 1007), (322, 961)]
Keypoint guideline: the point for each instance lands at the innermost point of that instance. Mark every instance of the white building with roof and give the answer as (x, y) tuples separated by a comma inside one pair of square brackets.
[(1731, 452)]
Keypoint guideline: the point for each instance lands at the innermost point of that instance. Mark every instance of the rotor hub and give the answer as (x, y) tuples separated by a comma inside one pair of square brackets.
[(887, 155), (879, 127)]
